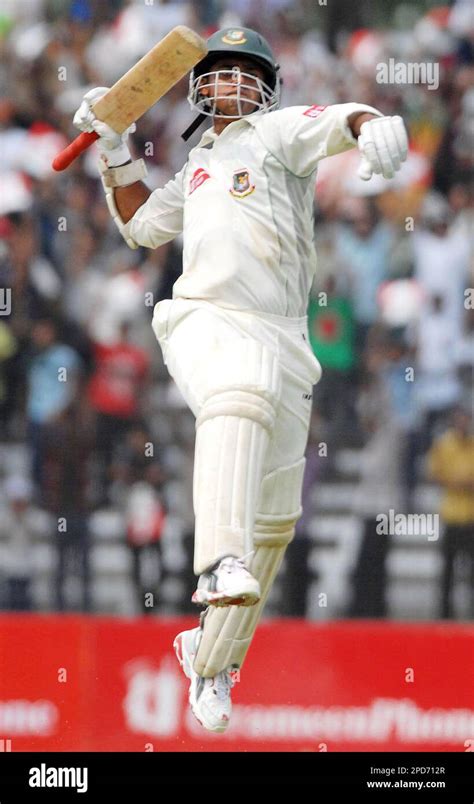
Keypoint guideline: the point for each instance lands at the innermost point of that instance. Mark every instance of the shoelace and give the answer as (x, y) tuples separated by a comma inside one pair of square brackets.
[(223, 684), (247, 555), (227, 562)]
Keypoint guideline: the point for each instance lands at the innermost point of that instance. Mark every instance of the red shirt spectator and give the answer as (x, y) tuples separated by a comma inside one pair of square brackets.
[(116, 385)]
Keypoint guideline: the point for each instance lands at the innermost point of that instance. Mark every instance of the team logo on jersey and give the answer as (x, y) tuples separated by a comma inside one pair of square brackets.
[(241, 184), (199, 177), (314, 111), (234, 38)]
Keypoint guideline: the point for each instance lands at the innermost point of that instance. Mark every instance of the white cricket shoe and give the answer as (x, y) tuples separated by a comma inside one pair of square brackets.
[(228, 584), (209, 698)]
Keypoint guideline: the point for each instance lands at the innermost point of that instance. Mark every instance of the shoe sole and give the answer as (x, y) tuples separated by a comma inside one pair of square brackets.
[(184, 661), (201, 597)]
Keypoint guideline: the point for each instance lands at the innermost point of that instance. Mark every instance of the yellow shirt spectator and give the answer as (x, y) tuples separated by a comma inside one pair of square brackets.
[(451, 464)]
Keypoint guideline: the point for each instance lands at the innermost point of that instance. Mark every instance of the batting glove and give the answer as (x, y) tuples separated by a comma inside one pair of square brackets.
[(383, 143), (112, 146)]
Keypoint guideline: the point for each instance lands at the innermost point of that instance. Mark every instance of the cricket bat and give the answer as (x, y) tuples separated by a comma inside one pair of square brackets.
[(141, 87)]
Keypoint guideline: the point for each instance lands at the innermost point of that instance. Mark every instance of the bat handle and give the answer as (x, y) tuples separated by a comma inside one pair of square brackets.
[(76, 147)]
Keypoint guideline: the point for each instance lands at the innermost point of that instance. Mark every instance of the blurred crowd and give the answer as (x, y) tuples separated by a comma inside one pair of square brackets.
[(83, 390)]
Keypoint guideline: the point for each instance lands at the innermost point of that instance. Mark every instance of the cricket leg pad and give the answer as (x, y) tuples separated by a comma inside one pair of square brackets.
[(228, 632), (233, 431)]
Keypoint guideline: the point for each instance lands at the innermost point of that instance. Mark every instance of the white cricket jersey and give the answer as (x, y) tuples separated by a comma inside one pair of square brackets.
[(244, 202)]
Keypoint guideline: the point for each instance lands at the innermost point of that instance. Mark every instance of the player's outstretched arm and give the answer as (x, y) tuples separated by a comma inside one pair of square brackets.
[(355, 121), (300, 136)]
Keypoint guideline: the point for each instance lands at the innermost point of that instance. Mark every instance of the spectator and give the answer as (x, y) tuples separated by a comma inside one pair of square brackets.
[(119, 299), (67, 496), (438, 387), (8, 349), (18, 529), (331, 333), (396, 374), (115, 394), (137, 481), (451, 464), (52, 384), (135, 461), (145, 516), (378, 491), (363, 244), (435, 246), (34, 282)]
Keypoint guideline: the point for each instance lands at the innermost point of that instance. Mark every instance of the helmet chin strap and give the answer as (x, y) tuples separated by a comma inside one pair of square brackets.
[(194, 125), (197, 122), (200, 119)]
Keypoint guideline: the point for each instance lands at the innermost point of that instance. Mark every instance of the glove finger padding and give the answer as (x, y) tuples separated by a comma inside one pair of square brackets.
[(400, 132), (85, 119), (383, 152), (369, 151), (112, 145), (84, 116), (393, 149), (383, 144), (108, 137), (93, 95), (364, 171)]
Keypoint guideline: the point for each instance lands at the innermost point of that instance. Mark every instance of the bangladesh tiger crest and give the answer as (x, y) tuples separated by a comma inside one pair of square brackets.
[(235, 37), (241, 185)]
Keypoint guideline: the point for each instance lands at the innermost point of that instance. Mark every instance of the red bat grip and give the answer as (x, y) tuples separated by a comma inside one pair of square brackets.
[(76, 147)]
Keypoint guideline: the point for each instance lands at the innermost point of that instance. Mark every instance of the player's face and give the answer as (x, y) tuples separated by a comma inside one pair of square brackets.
[(231, 76)]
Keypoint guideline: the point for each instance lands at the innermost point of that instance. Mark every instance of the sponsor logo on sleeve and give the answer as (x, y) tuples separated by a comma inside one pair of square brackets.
[(241, 185), (314, 111), (199, 177)]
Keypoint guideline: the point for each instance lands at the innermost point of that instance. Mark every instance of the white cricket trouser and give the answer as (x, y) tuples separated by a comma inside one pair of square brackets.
[(192, 335)]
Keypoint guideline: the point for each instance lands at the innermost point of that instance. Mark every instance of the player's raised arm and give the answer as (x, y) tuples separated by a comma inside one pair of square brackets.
[(142, 217), (302, 135)]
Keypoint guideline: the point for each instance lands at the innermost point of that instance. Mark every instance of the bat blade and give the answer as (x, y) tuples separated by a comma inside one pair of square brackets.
[(151, 78), (142, 86)]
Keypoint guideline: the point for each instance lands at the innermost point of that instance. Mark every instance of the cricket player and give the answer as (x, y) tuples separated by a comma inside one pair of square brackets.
[(234, 337)]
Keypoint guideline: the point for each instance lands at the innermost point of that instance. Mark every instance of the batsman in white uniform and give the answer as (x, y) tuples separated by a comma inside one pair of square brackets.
[(234, 337)]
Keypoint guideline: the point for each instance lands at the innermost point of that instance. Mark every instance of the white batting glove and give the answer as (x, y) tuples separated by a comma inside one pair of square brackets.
[(112, 146), (383, 143)]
